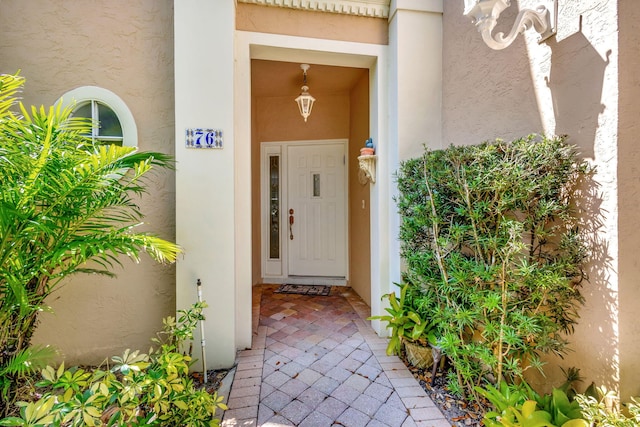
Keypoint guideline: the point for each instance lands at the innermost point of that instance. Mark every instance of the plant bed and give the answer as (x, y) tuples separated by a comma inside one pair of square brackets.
[(458, 411), (214, 380), (132, 389)]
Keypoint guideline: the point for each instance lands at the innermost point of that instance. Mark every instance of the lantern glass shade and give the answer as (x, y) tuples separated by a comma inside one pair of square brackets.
[(305, 102)]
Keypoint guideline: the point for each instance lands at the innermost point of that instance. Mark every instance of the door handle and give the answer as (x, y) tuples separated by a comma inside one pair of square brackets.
[(291, 221)]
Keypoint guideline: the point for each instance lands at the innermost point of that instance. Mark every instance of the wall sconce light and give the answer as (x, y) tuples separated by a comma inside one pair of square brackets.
[(305, 100), (485, 14)]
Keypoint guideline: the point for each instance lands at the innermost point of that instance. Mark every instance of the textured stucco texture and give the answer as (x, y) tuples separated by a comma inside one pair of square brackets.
[(125, 46)]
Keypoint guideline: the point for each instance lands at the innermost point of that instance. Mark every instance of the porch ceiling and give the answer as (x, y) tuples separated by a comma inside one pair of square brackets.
[(275, 78)]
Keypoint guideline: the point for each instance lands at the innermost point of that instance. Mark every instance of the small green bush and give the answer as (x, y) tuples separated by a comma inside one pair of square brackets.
[(603, 410), (519, 406), (493, 253), (404, 322), (137, 390)]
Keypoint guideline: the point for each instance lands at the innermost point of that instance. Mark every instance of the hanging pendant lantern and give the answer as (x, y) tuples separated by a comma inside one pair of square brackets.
[(305, 100)]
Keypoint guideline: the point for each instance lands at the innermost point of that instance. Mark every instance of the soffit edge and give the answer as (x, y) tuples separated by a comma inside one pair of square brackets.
[(370, 8)]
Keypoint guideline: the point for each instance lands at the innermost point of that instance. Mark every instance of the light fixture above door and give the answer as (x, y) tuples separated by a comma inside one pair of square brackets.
[(305, 100)]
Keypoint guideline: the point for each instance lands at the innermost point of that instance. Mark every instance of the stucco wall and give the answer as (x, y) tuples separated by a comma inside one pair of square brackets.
[(416, 77), (359, 200), (567, 85), (629, 194), (278, 118), (212, 201), (330, 26), (125, 46), (486, 93)]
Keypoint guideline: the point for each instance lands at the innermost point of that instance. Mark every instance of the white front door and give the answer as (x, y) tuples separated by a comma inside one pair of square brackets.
[(315, 213)]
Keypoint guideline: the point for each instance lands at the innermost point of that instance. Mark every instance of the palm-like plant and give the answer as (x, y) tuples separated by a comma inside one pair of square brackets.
[(66, 206)]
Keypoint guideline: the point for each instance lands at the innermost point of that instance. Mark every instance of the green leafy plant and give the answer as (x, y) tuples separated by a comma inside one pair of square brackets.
[(573, 377), (176, 332), (137, 390), (404, 322), (493, 253), (519, 405), (560, 407), (65, 202), (529, 416), (505, 396), (36, 414), (603, 410)]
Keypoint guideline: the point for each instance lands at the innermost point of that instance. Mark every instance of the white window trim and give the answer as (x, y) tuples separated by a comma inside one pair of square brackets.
[(84, 94)]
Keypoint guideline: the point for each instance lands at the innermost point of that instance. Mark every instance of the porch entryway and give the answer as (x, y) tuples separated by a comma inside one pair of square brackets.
[(311, 169), (374, 87)]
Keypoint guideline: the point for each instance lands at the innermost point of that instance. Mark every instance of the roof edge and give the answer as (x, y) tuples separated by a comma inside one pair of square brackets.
[(370, 8)]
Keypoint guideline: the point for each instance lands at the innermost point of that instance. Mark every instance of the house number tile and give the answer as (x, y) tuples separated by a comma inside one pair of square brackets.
[(203, 138)]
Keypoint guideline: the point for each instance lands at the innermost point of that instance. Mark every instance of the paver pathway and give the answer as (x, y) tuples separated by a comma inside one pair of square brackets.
[(316, 362)]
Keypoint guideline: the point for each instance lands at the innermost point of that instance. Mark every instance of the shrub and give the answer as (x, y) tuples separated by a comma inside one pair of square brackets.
[(64, 202), (405, 324), (602, 410), (493, 252), (521, 406), (137, 390), (518, 405)]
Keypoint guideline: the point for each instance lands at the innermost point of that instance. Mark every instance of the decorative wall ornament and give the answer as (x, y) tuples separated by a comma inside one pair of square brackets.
[(367, 169), (371, 8), (485, 14)]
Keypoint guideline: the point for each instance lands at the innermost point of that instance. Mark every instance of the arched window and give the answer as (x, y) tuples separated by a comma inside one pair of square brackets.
[(114, 122)]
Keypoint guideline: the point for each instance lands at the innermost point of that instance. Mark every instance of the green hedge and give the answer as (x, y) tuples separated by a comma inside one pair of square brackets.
[(493, 252)]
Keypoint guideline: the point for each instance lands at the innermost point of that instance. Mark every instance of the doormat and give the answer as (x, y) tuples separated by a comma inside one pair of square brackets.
[(304, 289)]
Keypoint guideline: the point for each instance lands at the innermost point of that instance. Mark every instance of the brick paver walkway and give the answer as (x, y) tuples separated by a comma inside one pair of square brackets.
[(316, 362)]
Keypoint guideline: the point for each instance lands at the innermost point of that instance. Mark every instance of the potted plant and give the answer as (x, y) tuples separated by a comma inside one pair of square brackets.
[(408, 328)]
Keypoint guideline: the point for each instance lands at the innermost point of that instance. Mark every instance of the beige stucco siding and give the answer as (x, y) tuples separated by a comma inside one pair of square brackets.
[(125, 46), (292, 22), (629, 196), (359, 194), (582, 81), (486, 93)]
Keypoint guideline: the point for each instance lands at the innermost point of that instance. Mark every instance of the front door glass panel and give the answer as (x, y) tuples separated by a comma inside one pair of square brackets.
[(274, 207)]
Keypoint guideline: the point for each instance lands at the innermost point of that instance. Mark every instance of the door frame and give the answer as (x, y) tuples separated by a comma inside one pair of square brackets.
[(277, 271), (385, 256)]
